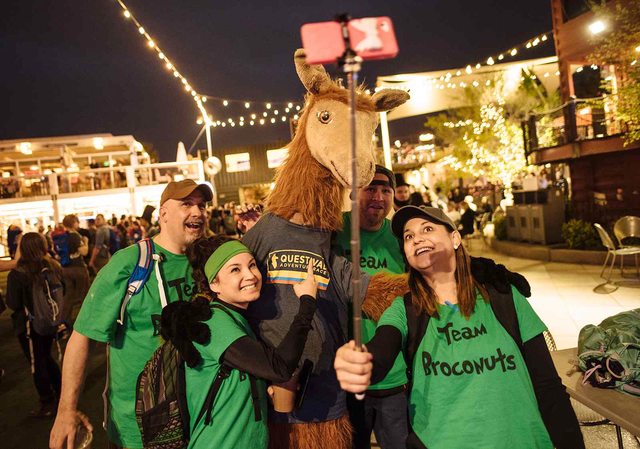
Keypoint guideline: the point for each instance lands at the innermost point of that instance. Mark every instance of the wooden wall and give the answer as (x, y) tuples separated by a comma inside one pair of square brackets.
[(228, 184), (605, 173)]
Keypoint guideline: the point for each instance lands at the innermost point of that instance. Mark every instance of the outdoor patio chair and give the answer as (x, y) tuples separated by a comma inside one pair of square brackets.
[(627, 231), (614, 252)]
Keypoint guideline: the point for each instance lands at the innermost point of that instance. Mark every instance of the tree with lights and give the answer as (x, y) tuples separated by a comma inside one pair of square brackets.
[(619, 45), (485, 137)]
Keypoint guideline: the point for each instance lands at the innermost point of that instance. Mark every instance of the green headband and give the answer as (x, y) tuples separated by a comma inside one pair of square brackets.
[(221, 256)]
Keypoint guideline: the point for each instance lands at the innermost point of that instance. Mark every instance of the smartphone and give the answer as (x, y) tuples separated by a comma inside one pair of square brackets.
[(370, 37)]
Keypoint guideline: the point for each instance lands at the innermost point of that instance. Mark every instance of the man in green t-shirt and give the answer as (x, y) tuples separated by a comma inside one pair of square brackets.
[(384, 409), (182, 220)]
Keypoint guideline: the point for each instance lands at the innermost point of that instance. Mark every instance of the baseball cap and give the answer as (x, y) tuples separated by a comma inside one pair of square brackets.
[(406, 213), (176, 190), (386, 172)]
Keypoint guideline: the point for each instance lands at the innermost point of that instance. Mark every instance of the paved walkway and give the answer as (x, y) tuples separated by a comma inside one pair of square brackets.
[(562, 294)]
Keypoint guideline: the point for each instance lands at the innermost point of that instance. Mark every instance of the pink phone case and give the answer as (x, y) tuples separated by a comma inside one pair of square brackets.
[(371, 38)]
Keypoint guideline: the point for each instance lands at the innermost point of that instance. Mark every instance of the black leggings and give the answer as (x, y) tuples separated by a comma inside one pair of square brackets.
[(47, 377)]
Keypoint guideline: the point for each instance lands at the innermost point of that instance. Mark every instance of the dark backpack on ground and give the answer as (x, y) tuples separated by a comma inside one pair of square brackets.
[(417, 323), (47, 294), (61, 246), (161, 404), (114, 240)]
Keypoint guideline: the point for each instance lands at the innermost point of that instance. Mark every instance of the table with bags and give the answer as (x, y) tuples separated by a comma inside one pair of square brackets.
[(620, 408)]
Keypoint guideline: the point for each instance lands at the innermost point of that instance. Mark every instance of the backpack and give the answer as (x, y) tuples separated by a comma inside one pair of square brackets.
[(501, 304), (161, 404), (61, 246), (609, 354), (114, 240), (47, 295)]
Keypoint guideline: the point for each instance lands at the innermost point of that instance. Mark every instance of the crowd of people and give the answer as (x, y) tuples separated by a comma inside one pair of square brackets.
[(468, 207), (202, 269)]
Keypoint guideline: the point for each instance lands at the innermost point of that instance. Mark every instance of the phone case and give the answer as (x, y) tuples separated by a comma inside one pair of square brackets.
[(322, 42), (371, 38)]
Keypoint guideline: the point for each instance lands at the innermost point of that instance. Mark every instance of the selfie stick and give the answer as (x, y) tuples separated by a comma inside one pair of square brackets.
[(350, 63)]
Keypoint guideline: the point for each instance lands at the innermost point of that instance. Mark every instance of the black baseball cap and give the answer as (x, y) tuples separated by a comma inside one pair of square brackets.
[(386, 172), (406, 213)]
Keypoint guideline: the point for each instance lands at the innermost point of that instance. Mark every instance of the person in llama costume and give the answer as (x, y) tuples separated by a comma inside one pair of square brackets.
[(302, 212)]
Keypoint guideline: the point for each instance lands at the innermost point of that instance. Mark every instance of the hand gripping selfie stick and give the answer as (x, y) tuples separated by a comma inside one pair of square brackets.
[(350, 64)]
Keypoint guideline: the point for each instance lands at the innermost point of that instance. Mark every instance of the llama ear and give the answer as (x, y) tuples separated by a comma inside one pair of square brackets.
[(387, 99), (314, 77)]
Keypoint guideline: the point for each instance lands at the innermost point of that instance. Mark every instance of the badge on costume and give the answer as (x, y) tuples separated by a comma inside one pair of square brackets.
[(289, 266)]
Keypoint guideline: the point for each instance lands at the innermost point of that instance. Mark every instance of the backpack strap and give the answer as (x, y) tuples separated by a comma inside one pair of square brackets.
[(255, 396), (207, 407), (141, 274), (417, 326), (505, 311)]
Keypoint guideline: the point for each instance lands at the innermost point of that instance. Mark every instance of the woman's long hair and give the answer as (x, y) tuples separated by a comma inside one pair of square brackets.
[(198, 253), (467, 287), (34, 255)]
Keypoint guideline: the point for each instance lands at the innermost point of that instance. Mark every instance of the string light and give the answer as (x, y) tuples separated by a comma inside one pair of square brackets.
[(151, 43)]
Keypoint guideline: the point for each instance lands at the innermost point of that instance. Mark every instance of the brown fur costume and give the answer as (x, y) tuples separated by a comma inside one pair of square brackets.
[(335, 434), (309, 190)]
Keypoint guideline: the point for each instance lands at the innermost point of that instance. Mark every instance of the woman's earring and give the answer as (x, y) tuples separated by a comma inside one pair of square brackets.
[(456, 247)]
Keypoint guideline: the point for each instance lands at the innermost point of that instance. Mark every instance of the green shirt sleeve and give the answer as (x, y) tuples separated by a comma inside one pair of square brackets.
[(396, 316), (529, 322), (101, 307)]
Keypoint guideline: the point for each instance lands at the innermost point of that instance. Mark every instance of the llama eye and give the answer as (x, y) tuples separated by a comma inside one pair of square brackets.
[(324, 117)]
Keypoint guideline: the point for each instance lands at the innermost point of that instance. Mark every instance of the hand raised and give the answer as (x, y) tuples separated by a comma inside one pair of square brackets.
[(309, 286)]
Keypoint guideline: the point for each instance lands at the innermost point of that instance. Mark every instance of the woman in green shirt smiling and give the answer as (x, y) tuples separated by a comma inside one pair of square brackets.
[(473, 387), (226, 272)]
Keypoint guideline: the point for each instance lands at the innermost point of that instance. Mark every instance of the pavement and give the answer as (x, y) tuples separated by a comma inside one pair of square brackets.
[(562, 295)]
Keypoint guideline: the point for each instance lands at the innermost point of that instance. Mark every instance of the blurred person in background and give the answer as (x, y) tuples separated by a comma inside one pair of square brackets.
[(100, 254), (34, 258)]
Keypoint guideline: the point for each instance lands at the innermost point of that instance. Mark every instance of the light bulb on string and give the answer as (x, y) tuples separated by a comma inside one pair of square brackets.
[(225, 103), (247, 105), (290, 105), (127, 14), (268, 105), (140, 30), (273, 120)]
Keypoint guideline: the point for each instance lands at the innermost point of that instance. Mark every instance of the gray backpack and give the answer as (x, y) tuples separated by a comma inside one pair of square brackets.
[(47, 293)]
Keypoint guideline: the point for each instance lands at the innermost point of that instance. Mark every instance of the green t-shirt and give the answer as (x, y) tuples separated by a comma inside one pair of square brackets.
[(233, 423), (379, 251), (132, 344), (471, 387)]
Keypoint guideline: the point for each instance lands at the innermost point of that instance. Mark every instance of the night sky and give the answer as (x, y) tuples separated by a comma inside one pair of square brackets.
[(78, 67)]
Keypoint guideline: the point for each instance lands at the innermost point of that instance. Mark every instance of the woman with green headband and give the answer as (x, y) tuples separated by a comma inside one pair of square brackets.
[(226, 273)]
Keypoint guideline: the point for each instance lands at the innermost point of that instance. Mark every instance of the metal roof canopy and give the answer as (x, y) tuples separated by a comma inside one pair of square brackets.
[(51, 148)]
